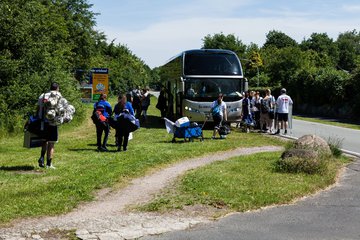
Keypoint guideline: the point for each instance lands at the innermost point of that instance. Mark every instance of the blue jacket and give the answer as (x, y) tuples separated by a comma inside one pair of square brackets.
[(129, 107), (105, 106)]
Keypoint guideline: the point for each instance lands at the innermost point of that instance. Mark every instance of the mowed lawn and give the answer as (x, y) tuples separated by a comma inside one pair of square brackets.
[(27, 190), (241, 183)]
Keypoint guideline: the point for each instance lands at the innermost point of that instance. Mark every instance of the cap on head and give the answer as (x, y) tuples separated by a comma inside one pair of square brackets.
[(283, 90), (54, 86)]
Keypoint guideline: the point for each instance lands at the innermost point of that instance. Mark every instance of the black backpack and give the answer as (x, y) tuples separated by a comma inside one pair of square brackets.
[(224, 130), (264, 107)]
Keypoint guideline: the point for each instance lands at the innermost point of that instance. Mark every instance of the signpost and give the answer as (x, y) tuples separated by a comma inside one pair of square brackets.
[(100, 82), (86, 93)]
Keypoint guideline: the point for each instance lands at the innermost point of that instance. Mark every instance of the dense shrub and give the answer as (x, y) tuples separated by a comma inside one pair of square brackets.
[(335, 145), (302, 165)]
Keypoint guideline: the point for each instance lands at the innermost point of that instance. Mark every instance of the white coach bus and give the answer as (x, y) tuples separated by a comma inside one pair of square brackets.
[(194, 78)]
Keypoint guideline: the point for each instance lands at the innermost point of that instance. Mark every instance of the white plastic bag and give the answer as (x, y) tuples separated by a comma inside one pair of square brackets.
[(170, 126)]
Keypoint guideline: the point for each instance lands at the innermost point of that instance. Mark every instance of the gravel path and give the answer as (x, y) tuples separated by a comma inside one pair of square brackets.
[(107, 217)]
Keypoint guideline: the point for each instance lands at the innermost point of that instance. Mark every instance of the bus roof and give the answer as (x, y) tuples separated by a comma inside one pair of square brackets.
[(201, 51), (209, 51)]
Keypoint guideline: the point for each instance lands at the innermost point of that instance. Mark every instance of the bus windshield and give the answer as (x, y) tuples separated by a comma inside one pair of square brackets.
[(210, 63), (207, 89)]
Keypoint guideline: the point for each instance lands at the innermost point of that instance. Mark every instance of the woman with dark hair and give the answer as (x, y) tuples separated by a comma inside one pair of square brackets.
[(122, 108), (105, 109)]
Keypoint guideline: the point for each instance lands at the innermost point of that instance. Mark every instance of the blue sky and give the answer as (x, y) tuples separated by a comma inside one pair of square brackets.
[(156, 30)]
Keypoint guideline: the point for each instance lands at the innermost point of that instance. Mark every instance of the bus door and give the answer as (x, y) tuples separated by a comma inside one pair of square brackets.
[(170, 101)]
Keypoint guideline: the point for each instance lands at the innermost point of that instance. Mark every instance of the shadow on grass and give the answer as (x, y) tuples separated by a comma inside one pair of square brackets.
[(108, 145), (152, 122), (93, 149), (16, 168)]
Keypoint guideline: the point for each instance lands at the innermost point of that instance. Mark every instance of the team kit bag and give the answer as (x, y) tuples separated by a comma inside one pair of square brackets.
[(55, 111), (98, 116)]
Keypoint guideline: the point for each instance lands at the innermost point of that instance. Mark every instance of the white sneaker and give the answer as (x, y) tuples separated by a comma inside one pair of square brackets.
[(50, 167)]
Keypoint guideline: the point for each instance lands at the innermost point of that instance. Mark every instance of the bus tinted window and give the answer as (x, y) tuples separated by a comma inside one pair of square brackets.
[(209, 88), (210, 63)]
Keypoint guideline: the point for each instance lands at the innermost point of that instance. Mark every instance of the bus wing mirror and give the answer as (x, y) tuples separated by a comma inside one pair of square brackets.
[(182, 85)]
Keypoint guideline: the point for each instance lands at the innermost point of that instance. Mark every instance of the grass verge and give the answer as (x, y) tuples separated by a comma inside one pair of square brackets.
[(28, 191), (240, 184), (329, 122)]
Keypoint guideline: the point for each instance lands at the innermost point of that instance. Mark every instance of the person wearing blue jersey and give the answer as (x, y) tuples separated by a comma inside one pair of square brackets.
[(102, 127)]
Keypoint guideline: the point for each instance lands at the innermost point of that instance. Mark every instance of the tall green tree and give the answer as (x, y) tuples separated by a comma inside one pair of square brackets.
[(222, 41), (279, 40), (282, 64), (36, 49), (326, 48), (80, 21), (349, 50)]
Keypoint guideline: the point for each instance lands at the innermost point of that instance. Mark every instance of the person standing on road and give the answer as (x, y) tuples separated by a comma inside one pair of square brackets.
[(282, 106), (105, 108), (48, 126), (219, 114)]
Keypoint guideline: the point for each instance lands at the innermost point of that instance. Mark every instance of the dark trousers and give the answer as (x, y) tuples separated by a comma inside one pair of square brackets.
[(100, 128), (122, 138), (257, 119)]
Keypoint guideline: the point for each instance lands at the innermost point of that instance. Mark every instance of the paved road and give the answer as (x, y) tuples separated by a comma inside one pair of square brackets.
[(331, 214)]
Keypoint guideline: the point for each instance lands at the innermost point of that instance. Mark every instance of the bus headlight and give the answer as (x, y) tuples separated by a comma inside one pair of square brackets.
[(235, 110), (191, 110)]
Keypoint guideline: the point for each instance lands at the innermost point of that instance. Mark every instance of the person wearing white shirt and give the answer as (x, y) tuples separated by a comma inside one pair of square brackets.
[(219, 114), (282, 106)]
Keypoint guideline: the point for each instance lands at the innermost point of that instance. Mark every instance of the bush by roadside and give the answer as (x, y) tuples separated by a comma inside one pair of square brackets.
[(309, 154)]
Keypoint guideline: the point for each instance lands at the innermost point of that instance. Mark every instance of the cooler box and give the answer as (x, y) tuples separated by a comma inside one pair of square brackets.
[(182, 122)]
